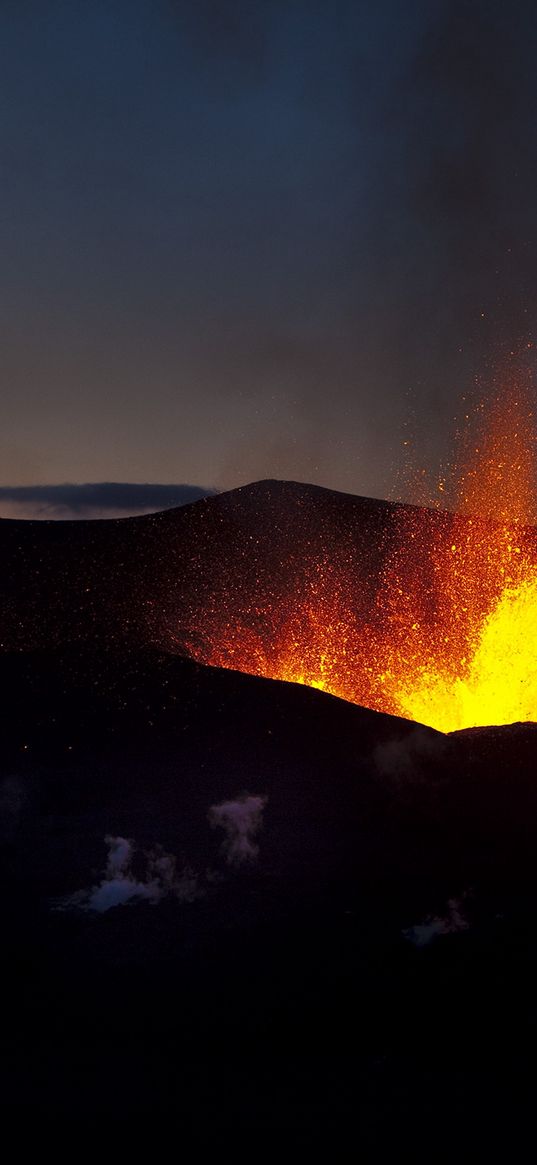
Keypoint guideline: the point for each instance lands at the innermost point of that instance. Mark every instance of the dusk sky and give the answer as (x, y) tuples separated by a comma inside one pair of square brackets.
[(244, 240)]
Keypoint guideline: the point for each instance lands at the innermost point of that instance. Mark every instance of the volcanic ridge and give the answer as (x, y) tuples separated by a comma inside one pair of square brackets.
[(256, 873)]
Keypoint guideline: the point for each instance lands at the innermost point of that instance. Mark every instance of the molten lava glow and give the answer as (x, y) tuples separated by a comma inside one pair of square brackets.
[(499, 684), (449, 637), (472, 659)]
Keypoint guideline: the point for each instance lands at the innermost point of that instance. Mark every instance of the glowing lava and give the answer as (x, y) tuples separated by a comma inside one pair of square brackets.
[(448, 634), (466, 651), (497, 684)]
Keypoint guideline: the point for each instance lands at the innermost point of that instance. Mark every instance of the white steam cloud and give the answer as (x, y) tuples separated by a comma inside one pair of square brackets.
[(120, 886), (403, 757), (241, 820), (452, 922), (132, 875)]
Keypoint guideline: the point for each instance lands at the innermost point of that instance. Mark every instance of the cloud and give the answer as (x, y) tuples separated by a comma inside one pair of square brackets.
[(119, 892), (132, 876), (105, 499), (241, 821), (407, 756), (452, 922), (121, 886), (119, 855)]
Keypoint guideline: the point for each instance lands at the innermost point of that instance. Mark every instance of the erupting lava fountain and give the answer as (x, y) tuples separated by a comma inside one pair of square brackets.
[(450, 634)]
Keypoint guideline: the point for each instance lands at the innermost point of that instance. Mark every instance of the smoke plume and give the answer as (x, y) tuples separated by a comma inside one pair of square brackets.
[(241, 821), (452, 922), (120, 885)]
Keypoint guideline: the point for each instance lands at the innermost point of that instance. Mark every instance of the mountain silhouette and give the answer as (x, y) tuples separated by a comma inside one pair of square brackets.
[(235, 901)]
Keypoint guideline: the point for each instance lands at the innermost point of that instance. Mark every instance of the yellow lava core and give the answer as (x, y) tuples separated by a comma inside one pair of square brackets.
[(499, 683), (474, 663), (450, 638)]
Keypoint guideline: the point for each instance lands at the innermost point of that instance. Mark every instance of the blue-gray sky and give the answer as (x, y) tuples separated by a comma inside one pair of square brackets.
[(244, 240)]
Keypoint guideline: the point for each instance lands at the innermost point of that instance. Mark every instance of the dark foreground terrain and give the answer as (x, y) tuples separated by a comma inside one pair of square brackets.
[(238, 906), (276, 981)]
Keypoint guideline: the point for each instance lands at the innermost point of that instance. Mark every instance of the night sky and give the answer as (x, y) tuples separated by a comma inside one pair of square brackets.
[(258, 239)]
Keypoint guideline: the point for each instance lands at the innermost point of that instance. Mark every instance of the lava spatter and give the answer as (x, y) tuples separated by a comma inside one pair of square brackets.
[(445, 631)]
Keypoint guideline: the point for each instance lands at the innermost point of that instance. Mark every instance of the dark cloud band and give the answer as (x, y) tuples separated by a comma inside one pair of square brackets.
[(95, 499)]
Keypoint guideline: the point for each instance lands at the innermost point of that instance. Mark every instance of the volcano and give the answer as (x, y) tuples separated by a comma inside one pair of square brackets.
[(417, 612), (231, 899)]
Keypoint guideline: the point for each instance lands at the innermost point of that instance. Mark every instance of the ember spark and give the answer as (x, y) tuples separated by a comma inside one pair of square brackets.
[(446, 632)]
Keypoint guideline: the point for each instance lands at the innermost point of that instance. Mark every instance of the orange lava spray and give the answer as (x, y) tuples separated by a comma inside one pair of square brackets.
[(448, 636)]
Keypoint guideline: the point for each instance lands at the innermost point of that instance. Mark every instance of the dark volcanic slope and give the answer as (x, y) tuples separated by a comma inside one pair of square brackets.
[(287, 994), (281, 994), (146, 743), (148, 579)]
